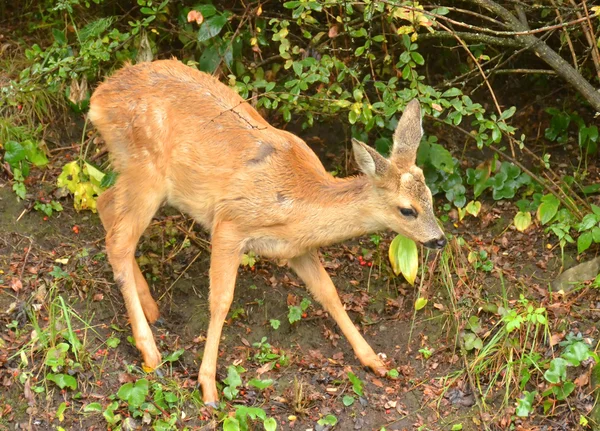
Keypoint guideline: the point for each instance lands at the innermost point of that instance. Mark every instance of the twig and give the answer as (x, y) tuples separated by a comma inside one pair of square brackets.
[(566, 33), (555, 61), (25, 260), (523, 71), (588, 31), (483, 75), (180, 275), (487, 30)]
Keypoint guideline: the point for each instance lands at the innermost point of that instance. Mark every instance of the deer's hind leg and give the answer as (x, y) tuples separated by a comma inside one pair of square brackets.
[(127, 211), (106, 210)]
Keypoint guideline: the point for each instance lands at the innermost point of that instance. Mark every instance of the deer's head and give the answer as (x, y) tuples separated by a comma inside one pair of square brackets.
[(403, 200)]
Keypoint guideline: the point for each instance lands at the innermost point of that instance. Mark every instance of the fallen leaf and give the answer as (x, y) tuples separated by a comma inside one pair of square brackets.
[(16, 285), (195, 15), (582, 380)]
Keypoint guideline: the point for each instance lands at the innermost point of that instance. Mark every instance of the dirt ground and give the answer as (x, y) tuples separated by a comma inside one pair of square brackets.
[(430, 392)]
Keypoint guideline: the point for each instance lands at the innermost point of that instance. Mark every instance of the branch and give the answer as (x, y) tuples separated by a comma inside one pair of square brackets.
[(473, 37), (546, 53)]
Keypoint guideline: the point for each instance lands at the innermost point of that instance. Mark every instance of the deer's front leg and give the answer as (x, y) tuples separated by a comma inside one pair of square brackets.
[(224, 262), (310, 269)]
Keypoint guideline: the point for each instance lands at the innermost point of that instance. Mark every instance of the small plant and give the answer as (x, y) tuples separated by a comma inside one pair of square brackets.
[(426, 352), (232, 382), (357, 388), (297, 312), (249, 259), (267, 353), (480, 260), (48, 208), (244, 415), (20, 156)]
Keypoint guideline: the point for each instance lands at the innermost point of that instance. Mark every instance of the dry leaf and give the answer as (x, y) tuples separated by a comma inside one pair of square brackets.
[(333, 31), (582, 380), (195, 15), (16, 285)]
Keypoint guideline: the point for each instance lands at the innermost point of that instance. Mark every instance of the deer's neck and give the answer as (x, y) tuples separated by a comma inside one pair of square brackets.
[(344, 209)]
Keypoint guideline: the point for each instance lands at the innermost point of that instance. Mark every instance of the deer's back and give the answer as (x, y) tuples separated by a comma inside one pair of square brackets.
[(213, 150)]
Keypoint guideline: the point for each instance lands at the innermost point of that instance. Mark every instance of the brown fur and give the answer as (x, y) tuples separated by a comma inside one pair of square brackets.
[(178, 135)]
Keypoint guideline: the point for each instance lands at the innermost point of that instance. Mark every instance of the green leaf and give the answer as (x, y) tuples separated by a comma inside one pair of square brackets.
[(63, 380), (393, 373), (596, 234), (109, 179), (584, 242), (19, 189), (270, 424), (231, 424), (357, 384), (34, 154), (211, 27), (404, 257), (557, 371), (441, 158), (452, 92), (60, 412), (294, 314), (420, 303), (59, 36), (562, 392), (260, 384), (134, 394), (348, 400), (113, 342), (172, 357), (209, 60), (232, 381), (576, 353), (589, 221), (525, 404), (418, 58), (508, 113), (548, 208), (14, 153), (275, 323), (328, 420), (93, 407), (522, 221)]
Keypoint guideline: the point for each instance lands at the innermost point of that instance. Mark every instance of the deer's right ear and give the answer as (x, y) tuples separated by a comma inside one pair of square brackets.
[(369, 160), (407, 136)]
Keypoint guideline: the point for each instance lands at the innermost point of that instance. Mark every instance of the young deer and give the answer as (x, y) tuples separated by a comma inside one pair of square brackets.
[(179, 136)]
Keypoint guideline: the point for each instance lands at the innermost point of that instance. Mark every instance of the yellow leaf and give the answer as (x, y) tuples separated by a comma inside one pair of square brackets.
[(522, 221), (95, 175), (404, 258), (420, 303), (473, 208), (69, 176)]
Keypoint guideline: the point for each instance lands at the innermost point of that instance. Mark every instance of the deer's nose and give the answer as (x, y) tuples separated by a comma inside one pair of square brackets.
[(436, 243)]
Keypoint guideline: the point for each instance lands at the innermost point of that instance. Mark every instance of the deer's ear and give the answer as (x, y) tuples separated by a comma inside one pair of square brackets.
[(369, 160), (407, 136)]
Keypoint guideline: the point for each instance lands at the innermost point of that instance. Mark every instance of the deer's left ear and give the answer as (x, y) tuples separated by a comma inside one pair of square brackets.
[(369, 160), (407, 136)]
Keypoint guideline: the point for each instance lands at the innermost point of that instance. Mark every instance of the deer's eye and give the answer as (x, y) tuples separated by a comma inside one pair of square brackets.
[(408, 212)]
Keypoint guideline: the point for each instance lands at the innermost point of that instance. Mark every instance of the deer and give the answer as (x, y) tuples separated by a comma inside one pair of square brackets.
[(179, 136)]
